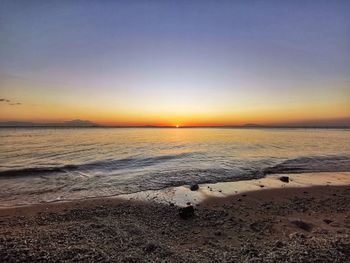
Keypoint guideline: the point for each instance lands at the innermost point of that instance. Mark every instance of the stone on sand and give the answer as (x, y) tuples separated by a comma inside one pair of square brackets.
[(284, 179), (194, 187), (186, 212)]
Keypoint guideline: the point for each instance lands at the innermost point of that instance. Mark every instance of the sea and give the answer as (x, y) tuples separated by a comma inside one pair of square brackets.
[(39, 165)]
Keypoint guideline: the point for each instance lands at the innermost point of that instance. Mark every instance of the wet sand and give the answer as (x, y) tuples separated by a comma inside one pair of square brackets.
[(281, 224), (182, 195)]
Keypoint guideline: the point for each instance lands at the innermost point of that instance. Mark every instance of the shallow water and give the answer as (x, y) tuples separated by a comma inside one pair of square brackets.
[(44, 164)]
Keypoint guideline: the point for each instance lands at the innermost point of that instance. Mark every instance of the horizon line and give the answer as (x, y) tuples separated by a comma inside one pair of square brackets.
[(182, 127)]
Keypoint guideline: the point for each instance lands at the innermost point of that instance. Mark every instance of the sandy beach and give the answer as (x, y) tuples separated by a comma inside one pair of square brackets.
[(281, 224)]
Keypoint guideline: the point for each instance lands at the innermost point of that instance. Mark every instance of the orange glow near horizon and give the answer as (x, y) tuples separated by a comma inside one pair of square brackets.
[(49, 104), (99, 115)]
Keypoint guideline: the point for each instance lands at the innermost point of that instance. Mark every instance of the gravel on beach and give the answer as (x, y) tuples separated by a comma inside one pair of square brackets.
[(283, 225)]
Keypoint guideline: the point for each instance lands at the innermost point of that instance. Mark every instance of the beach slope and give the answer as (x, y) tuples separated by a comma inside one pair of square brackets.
[(296, 224)]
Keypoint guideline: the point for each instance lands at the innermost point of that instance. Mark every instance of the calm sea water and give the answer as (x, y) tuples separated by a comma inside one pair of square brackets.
[(43, 165)]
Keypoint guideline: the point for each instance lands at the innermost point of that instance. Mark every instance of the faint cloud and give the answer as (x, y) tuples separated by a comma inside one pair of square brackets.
[(9, 102)]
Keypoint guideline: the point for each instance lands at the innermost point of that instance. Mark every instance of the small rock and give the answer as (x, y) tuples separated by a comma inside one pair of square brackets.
[(172, 204), (327, 221), (284, 179), (217, 233), (186, 212), (194, 187)]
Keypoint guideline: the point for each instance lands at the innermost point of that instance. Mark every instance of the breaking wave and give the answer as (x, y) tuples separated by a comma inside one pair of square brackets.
[(101, 165), (312, 164)]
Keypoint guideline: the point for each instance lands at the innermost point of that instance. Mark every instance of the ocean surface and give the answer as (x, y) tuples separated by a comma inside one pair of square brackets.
[(51, 164)]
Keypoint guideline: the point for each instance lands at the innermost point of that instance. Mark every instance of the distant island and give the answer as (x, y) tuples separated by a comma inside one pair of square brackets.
[(72, 123)]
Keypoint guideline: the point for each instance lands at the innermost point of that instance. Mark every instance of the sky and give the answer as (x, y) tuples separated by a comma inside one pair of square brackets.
[(175, 62)]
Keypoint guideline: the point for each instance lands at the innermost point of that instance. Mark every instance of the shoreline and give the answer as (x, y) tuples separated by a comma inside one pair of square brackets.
[(182, 195), (158, 198)]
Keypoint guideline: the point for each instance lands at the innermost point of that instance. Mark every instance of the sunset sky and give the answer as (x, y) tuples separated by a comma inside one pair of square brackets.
[(175, 62)]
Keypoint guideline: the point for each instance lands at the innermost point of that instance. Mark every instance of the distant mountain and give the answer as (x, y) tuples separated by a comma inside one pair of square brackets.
[(73, 123), (79, 123)]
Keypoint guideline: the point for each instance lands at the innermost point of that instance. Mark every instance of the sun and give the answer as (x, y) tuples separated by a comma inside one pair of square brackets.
[(177, 126)]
